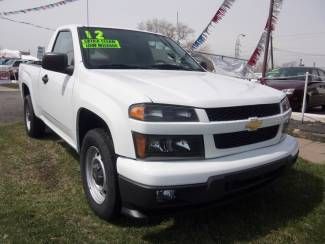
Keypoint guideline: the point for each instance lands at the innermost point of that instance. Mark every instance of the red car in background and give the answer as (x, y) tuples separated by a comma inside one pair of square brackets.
[(291, 80)]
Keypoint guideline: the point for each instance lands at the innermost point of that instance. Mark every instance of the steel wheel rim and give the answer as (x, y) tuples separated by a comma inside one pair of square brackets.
[(96, 175), (27, 118)]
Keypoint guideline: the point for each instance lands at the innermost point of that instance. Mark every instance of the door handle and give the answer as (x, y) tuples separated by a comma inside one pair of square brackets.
[(45, 79)]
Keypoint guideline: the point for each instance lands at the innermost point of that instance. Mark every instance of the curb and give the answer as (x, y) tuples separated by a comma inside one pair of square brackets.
[(308, 117), (8, 90), (308, 135)]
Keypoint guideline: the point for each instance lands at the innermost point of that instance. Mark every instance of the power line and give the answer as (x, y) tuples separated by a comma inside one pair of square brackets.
[(27, 23), (298, 53), (300, 34), (87, 13), (43, 7)]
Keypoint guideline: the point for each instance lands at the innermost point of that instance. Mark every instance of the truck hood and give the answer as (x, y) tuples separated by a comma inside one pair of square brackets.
[(198, 89)]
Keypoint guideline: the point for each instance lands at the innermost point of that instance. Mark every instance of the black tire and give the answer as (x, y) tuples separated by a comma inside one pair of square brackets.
[(34, 126), (323, 107), (110, 207)]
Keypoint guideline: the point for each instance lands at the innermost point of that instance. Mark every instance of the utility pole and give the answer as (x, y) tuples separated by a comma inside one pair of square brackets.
[(267, 44), (87, 13), (272, 54)]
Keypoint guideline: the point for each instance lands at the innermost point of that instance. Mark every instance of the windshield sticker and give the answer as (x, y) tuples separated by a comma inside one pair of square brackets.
[(99, 41)]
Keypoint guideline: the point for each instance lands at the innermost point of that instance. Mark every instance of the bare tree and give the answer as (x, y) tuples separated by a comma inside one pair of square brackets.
[(180, 33), (184, 32)]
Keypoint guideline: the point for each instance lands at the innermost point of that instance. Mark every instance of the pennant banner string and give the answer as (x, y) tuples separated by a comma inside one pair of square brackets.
[(226, 5), (26, 23), (43, 7)]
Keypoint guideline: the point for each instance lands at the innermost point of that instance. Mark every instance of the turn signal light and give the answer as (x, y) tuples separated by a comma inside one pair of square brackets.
[(140, 143), (168, 146), (137, 112)]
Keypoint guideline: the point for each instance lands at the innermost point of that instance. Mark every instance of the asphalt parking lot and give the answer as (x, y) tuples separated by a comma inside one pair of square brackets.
[(11, 108)]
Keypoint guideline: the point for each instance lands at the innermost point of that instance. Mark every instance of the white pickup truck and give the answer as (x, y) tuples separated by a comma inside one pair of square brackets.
[(154, 131)]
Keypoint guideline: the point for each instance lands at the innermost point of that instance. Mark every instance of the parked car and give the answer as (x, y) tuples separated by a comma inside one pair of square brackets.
[(154, 130), (4, 76), (291, 80), (4, 72), (3, 61), (12, 65)]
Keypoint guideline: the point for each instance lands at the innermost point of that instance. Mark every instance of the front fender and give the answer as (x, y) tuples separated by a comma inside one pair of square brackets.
[(114, 113)]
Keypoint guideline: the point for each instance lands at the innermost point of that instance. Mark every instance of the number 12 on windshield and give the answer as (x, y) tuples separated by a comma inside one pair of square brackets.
[(98, 35)]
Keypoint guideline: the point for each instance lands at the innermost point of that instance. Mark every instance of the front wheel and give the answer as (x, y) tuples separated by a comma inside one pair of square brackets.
[(34, 126), (99, 175)]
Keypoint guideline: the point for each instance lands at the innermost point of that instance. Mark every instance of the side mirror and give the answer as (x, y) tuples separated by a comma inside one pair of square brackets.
[(262, 80), (57, 62)]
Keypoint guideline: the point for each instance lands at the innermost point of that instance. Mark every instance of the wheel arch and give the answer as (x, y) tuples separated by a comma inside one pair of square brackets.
[(88, 120), (24, 90)]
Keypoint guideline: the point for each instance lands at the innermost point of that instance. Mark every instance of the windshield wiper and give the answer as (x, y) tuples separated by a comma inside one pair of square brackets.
[(131, 66), (170, 67), (119, 66)]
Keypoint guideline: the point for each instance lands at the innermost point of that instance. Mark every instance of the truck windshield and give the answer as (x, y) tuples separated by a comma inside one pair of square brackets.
[(105, 48)]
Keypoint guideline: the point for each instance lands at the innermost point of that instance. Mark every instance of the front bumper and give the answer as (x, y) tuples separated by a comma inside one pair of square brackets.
[(143, 200), (201, 182)]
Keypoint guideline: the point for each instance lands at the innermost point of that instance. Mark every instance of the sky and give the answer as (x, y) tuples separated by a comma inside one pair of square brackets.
[(300, 32)]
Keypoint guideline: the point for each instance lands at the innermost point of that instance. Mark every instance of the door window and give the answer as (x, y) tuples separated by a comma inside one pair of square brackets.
[(64, 44)]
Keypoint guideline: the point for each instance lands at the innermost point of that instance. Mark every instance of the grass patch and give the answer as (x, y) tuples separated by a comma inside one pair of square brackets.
[(42, 201)]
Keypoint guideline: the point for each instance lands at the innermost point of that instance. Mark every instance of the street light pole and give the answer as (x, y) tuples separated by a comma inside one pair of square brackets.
[(237, 45), (267, 44)]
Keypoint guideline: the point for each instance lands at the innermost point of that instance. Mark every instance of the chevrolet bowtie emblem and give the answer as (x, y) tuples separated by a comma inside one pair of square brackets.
[(254, 124)]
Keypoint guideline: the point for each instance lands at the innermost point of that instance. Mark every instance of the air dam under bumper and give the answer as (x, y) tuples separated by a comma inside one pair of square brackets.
[(187, 183)]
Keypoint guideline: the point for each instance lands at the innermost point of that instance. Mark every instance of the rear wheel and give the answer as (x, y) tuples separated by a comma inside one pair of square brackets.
[(99, 175), (323, 107), (33, 125)]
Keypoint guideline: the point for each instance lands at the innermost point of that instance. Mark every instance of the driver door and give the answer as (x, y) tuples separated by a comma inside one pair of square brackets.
[(56, 88)]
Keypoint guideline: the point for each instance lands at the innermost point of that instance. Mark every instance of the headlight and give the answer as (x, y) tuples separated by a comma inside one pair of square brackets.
[(169, 146), (285, 105), (157, 112), (288, 91)]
